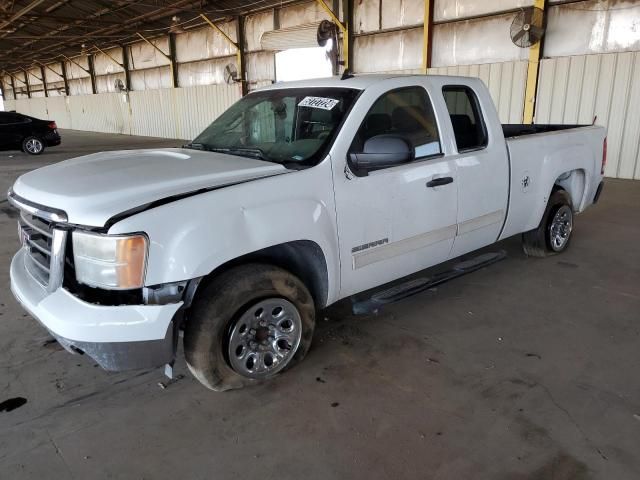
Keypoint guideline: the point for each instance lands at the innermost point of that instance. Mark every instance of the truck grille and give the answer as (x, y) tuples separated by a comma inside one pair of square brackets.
[(44, 245)]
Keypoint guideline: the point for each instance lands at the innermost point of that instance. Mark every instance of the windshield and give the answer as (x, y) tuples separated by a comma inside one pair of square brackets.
[(290, 126)]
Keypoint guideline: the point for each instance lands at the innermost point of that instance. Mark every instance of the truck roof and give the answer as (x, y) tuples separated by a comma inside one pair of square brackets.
[(358, 82)]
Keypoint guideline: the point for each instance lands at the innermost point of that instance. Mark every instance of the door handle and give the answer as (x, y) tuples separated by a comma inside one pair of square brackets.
[(437, 182)]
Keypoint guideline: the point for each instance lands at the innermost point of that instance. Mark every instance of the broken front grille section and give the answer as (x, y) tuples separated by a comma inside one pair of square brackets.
[(44, 245)]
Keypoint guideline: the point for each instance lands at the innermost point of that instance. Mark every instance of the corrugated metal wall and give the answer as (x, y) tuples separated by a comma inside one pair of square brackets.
[(575, 89), (506, 82), (590, 68), (169, 113), (180, 112)]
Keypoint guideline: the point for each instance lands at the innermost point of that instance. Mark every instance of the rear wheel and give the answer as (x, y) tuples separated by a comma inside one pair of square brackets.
[(554, 232), (33, 145), (247, 325)]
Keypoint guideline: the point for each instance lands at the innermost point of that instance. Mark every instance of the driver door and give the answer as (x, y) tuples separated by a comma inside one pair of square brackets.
[(398, 220)]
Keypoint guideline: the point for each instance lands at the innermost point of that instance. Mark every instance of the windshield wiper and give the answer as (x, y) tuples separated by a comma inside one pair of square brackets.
[(194, 146), (252, 152)]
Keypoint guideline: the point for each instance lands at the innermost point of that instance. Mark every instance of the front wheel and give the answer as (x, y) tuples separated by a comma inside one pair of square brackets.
[(33, 145), (247, 325), (554, 232)]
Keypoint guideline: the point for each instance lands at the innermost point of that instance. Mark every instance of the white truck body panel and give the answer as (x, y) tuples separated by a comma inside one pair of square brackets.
[(86, 322), (212, 228), (390, 205), (93, 188), (483, 175), (195, 226), (543, 158)]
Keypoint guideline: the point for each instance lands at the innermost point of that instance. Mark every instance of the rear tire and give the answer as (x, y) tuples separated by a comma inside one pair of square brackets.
[(220, 326), (33, 145), (553, 235)]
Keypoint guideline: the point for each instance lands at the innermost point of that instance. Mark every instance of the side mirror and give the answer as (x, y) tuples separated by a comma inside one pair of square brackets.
[(382, 151)]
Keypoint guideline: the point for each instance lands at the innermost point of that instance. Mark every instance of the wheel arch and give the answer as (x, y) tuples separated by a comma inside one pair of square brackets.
[(574, 182), (303, 258)]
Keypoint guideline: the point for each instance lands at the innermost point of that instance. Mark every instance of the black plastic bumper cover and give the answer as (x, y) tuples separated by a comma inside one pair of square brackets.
[(596, 197)]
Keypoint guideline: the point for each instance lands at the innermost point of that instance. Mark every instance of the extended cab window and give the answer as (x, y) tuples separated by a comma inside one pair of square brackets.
[(466, 118), (405, 112)]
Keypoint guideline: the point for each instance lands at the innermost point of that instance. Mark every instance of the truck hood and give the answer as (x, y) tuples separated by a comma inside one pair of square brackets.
[(93, 188)]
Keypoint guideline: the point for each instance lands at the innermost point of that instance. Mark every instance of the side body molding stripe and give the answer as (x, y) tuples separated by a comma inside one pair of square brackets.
[(480, 222), (390, 250), (394, 249)]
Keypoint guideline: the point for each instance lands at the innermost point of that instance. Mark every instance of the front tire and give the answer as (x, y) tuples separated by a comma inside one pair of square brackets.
[(33, 145), (554, 232), (247, 325)]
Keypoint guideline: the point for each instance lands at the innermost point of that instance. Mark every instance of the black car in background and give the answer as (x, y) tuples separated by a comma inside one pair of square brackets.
[(31, 135)]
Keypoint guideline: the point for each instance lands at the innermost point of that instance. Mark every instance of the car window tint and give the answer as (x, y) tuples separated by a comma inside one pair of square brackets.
[(466, 120), (16, 118), (406, 112), (8, 117)]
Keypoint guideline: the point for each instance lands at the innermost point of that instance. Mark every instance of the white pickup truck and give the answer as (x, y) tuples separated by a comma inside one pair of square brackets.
[(299, 195)]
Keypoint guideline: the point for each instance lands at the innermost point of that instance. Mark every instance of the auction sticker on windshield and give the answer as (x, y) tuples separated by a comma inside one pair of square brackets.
[(319, 102)]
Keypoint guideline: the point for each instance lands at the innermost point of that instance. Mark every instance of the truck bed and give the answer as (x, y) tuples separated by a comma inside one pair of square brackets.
[(562, 154), (520, 129)]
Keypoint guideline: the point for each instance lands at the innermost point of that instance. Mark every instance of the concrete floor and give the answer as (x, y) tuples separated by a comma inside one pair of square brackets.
[(528, 369)]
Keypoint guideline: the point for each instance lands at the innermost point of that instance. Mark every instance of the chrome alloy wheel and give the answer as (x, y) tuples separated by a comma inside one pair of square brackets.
[(33, 145), (265, 338), (561, 227)]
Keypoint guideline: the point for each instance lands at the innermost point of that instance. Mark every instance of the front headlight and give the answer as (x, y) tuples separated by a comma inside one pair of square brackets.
[(115, 262)]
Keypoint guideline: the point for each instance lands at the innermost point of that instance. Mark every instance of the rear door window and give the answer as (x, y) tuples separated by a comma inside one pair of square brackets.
[(466, 118)]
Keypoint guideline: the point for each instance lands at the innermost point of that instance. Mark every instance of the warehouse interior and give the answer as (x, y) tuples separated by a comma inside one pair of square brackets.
[(140, 70), (523, 370)]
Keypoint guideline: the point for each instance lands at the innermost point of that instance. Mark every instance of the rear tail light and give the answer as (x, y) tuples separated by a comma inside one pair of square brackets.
[(604, 156), (52, 125)]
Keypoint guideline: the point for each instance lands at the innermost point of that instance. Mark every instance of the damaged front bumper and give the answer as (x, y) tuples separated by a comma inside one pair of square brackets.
[(119, 337)]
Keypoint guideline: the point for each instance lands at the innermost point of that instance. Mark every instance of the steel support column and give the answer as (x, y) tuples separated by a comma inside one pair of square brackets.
[(2, 90), (344, 28), (26, 82), (44, 81), (65, 78), (427, 35), (348, 21), (172, 68), (92, 73), (242, 67), (44, 86), (533, 70), (13, 87), (173, 60), (125, 66), (44, 67), (108, 56), (238, 46)]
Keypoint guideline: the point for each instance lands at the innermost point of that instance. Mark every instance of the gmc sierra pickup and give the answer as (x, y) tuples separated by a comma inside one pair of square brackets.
[(297, 196)]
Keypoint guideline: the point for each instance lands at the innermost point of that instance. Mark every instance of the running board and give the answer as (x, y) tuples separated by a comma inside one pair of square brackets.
[(417, 285)]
